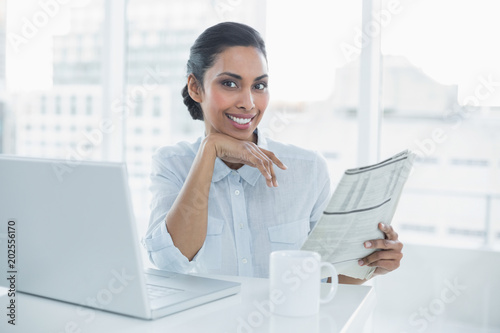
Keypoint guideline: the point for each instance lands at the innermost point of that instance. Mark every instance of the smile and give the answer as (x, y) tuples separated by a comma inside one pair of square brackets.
[(241, 121)]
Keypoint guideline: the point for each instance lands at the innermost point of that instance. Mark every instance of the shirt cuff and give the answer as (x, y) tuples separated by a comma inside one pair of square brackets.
[(164, 255)]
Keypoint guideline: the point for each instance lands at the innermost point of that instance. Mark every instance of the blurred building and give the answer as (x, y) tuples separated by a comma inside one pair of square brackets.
[(1, 126), (406, 90), (3, 105), (56, 122)]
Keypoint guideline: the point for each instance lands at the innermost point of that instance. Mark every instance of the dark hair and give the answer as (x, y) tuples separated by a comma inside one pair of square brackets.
[(211, 43)]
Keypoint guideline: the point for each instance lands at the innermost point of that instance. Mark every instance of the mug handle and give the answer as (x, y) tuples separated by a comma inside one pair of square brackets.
[(333, 286)]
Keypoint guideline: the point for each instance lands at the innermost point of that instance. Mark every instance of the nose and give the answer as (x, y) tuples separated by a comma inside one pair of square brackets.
[(246, 101)]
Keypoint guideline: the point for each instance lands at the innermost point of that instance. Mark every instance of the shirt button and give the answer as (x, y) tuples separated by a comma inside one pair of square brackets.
[(237, 192), (241, 225), (244, 261)]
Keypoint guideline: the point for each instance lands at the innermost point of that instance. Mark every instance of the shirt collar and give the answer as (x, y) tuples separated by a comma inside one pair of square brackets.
[(248, 173)]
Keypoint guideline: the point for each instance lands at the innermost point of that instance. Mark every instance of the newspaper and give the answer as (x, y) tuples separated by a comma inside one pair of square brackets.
[(364, 197)]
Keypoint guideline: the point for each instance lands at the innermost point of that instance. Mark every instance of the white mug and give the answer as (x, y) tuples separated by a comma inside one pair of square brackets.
[(295, 278)]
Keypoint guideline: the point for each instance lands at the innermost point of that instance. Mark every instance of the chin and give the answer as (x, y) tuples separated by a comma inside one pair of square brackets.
[(242, 135)]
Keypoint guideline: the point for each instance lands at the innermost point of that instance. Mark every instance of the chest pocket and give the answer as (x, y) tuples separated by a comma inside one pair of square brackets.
[(213, 243), (289, 236)]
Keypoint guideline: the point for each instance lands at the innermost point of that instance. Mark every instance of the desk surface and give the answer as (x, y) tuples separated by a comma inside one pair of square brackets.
[(245, 312)]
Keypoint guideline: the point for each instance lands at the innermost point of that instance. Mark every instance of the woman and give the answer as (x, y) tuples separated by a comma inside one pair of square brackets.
[(217, 205)]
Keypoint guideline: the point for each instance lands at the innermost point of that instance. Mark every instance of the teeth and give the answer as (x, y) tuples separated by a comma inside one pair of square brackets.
[(241, 121)]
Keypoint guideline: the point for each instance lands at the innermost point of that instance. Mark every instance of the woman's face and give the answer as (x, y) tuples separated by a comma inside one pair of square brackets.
[(235, 93)]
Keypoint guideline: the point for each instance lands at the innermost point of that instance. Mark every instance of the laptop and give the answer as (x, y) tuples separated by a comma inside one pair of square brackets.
[(76, 241)]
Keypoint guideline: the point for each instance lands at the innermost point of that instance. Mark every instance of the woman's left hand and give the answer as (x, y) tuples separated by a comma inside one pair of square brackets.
[(389, 256)]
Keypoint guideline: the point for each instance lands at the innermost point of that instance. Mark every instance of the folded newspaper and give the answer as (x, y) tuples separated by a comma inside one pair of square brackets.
[(364, 197)]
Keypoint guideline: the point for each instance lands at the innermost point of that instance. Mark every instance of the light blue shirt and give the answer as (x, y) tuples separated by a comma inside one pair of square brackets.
[(247, 220)]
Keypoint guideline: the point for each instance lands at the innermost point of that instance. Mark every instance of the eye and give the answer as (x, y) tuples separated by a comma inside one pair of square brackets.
[(229, 84), (261, 86)]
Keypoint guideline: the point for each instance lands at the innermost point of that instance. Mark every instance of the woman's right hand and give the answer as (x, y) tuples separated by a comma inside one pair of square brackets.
[(234, 151)]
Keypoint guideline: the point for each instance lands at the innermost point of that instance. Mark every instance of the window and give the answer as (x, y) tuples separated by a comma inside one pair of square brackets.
[(73, 105), (43, 104), (57, 76), (58, 105), (319, 95), (138, 106), (88, 105), (156, 107), (441, 99)]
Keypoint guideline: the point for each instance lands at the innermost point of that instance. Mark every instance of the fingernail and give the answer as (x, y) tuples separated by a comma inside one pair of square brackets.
[(382, 225), (360, 262), (285, 166), (368, 244)]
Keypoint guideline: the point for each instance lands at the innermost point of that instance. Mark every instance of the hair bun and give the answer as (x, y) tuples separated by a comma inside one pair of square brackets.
[(193, 106)]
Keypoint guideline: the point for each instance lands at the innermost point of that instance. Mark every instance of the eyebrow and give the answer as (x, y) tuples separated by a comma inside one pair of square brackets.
[(236, 76)]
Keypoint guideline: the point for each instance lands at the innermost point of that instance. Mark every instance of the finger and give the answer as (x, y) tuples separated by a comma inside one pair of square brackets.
[(380, 271), (254, 159), (382, 255), (264, 164), (388, 231), (273, 174), (389, 264), (386, 264), (275, 159), (384, 244), (268, 164)]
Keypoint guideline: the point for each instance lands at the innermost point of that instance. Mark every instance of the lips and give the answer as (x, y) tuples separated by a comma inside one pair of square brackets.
[(241, 119)]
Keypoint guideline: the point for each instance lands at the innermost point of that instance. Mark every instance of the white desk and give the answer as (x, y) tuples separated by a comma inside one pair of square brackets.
[(245, 312)]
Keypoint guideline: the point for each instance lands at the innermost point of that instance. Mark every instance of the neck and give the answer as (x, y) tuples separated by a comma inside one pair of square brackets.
[(234, 166)]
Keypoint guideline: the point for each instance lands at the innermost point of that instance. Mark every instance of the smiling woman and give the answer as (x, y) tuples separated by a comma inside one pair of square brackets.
[(237, 85), (217, 207)]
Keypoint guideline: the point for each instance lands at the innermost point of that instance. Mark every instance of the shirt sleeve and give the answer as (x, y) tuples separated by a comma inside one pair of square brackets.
[(323, 190), (165, 186)]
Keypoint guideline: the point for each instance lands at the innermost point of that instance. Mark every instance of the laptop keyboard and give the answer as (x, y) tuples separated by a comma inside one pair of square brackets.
[(155, 292)]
